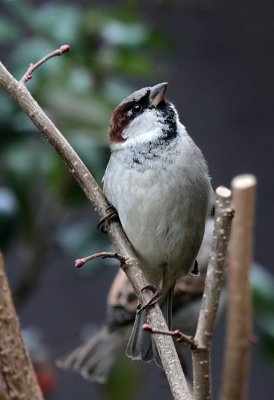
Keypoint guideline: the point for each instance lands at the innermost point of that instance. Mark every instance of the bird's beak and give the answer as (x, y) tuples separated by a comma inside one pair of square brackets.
[(157, 94)]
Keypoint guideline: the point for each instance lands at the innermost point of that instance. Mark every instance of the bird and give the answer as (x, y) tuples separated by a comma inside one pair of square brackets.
[(157, 180), (95, 356)]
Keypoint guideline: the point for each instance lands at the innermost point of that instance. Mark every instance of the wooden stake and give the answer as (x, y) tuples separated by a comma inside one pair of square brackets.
[(239, 320)]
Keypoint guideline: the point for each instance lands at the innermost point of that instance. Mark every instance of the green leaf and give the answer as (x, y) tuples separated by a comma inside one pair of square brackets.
[(9, 32), (76, 112), (94, 155), (60, 22), (22, 10), (125, 374), (7, 108), (115, 90), (267, 344), (79, 239), (94, 21), (27, 160), (117, 33), (262, 290), (124, 61)]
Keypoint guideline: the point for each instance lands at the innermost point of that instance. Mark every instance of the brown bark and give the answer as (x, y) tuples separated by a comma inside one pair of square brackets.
[(201, 356), (17, 377), (239, 318)]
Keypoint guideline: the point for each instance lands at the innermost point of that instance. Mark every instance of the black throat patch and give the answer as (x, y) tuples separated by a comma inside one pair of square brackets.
[(170, 124)]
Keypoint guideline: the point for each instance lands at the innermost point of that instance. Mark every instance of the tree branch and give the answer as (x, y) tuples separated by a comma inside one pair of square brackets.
[(165, 345), (213, 285), (17, 377), (236, 366)]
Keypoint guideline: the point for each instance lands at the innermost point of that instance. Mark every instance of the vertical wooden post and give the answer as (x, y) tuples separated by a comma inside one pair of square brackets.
[(239, 320)]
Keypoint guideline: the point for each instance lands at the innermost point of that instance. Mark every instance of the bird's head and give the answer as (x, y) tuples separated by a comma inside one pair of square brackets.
[(143, 116)]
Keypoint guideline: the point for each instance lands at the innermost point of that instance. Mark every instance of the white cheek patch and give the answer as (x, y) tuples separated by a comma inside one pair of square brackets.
[(145, 127)]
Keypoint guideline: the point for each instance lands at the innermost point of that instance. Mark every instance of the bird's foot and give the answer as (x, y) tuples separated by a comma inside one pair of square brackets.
[(111, 214), (154, 299)]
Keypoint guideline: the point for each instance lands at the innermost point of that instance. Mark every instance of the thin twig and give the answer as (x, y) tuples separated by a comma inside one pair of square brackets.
[(239, 318), (213, 286), (58, 52), (177, 334), (165, 345), (103, 254)]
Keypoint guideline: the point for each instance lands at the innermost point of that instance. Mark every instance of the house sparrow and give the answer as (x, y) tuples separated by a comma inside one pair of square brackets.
[(157, 180), (94, 358)]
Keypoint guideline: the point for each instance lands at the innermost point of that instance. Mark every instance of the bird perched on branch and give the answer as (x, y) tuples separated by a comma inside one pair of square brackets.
[(94, 358), (157, 180)]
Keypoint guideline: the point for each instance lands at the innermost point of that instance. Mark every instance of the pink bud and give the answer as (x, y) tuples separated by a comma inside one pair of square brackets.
[(64, 48), (147, 328), (79, 262)]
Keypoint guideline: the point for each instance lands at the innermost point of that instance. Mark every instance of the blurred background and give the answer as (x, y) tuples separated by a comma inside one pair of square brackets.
[(218, 60)]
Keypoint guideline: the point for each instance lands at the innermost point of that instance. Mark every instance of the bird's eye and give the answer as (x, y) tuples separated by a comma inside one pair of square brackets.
[(137, 108), (134, 110)]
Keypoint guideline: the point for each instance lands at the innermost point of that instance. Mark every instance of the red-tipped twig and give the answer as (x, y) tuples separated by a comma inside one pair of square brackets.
[(104, 254), (58, 52), (177, 334)]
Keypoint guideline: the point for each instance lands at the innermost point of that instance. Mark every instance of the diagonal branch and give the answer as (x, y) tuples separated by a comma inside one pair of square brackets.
[(213, 286), (165, 345)]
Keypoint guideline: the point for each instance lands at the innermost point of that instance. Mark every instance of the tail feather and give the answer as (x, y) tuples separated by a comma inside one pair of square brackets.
[(141, 345), (94, 359)]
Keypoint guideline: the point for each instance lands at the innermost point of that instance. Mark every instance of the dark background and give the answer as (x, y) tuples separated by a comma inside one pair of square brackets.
[(221, 80)]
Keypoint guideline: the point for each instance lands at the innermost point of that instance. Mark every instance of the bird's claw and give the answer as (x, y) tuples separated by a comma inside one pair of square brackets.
[(195, 271), (154, 299), (111, 214)]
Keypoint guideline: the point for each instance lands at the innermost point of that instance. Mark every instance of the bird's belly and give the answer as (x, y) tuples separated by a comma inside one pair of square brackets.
[(164, 225)]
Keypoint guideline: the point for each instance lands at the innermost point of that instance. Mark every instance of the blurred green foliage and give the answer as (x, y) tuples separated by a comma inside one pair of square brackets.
[(263, 305), (39, 201), (116, 380), (41, 206), (109, 49)]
